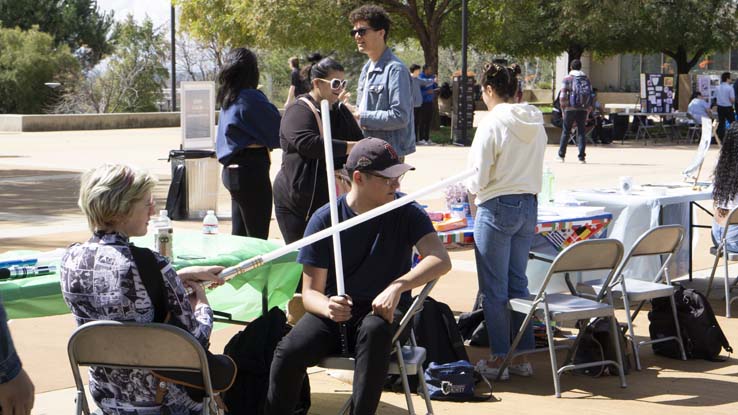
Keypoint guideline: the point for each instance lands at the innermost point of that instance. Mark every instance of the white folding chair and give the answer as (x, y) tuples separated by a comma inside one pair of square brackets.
[(589, 255), (661, 240), (405, 360), (152, 346), (722, 251)]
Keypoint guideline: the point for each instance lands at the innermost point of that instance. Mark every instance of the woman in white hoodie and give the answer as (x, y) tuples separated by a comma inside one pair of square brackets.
[(508, 152)]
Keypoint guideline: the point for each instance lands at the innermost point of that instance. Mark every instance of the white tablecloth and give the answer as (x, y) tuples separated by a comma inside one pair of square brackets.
[(645, 207)]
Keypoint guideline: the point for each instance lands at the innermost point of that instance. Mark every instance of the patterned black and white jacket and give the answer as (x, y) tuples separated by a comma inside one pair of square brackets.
[(100, 281)]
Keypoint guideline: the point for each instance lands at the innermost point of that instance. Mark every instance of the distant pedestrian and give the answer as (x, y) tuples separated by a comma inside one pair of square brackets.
[(575, 98), (519, 78), (429, 90), (417, 96), (297, 83), (725, 97), (247, 131)]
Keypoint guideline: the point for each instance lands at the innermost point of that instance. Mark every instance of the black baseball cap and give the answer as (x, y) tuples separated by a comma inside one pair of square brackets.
[(378, 156)]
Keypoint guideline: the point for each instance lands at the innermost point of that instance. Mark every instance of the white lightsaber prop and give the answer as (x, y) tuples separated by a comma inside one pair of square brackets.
[(328, 147), (332, 203), (262, 259)]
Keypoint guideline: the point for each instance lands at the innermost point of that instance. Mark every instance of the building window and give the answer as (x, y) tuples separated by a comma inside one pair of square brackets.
[(630, 72), (718, 61), (651, 63)]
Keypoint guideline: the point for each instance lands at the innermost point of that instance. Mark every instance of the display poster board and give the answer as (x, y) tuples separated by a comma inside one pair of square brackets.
[(707, 85), (457, 105), (657, 93), (198, 115), (692, 172)]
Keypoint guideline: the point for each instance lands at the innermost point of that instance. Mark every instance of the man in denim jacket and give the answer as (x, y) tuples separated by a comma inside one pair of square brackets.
[(16, 389), (384, 94)]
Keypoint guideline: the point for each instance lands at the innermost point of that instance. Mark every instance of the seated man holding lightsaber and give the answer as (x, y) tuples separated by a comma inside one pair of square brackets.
[(376, 257)]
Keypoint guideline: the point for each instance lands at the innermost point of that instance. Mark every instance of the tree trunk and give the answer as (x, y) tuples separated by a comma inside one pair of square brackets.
[(683, 63), (574, 51), (430, 52)]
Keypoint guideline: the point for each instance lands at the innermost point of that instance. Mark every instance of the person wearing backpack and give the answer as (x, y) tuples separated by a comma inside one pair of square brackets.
[(576, 102)]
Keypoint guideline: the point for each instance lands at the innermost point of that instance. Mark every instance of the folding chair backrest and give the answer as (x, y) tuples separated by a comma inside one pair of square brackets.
[(589, 255), (664, 239), (732, 218), (414, 309), (134, 345)]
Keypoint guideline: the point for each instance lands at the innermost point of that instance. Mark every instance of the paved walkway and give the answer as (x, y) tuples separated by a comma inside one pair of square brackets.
[(38, 191)]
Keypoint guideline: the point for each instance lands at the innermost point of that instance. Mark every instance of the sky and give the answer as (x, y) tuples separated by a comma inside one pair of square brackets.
[(157, 10)]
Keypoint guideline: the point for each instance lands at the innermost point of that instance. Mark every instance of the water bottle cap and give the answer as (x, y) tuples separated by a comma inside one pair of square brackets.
[(211, 212), (163, 212)]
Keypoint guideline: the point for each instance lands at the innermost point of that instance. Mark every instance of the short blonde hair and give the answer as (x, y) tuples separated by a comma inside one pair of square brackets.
[(107, 193)]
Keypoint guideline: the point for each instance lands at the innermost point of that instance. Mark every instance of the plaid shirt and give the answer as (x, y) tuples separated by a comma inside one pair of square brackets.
[(100, 281)]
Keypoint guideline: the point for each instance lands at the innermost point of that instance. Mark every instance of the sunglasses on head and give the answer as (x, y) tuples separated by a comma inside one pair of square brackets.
[(360, 31), (335, 83)]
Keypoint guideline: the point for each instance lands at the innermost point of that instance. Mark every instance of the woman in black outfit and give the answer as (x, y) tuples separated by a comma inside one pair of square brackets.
[(301, 186), (248, 129)]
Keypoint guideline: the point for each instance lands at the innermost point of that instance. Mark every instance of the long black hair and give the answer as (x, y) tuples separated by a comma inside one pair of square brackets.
[(240, 72), (501, 79), (725, 177)]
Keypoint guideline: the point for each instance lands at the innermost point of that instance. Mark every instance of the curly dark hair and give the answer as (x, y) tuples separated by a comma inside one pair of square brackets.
[(501, 79), (240, 72), (375, 15), (725, 177)]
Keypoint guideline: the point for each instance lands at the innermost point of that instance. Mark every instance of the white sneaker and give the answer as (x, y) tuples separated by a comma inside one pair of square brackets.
[(491, 372), (521, 369), (559, 158)]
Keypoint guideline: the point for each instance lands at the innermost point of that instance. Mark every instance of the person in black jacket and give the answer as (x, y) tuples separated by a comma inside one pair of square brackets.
[(301, 186), (248, 129)]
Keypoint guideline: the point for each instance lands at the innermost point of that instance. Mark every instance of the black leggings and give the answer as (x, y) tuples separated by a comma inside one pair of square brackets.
[(247, 179), (313, 338)]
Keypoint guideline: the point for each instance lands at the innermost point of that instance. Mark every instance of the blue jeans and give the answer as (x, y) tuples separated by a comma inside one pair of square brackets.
[(503, 233), (732, 237), (571, 117)]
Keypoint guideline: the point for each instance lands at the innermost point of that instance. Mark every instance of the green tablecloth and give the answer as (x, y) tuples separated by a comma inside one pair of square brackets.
[(41, 296)]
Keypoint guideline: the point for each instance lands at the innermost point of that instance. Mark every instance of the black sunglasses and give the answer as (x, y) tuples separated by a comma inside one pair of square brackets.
[(360, 31)]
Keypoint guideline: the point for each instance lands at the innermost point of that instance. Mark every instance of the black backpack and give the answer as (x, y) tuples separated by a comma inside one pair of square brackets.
[(701, 334), (435, 330), (177, 195), (252, 349), (596, 344)]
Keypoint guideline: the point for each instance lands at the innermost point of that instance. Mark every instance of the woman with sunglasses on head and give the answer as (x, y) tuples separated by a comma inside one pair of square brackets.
[(248, 129), (507, 152), (301, 186)]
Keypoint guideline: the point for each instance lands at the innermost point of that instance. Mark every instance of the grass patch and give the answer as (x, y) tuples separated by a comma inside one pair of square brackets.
[(443, 135)]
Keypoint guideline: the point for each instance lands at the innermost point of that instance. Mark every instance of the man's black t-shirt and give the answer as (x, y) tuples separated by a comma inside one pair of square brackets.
[(375, 252)]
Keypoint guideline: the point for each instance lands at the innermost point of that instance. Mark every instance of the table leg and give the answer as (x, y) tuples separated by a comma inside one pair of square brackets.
[(689, 241)]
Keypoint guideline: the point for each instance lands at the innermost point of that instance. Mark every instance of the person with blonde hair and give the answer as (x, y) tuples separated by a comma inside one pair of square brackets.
[(100, 280)]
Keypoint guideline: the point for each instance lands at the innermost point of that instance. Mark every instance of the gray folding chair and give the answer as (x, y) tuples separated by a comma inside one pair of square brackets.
[(722, 251), (152, 346), (661, 240), (405, 359), (589, 255)]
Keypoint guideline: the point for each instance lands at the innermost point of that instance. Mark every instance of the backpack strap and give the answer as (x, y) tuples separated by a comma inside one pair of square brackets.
[(150, 274), (315, 113), (723, 339)]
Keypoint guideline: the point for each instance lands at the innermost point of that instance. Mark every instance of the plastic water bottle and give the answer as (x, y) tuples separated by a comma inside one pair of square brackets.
[(547, 186), (210, 223), (163, 234)]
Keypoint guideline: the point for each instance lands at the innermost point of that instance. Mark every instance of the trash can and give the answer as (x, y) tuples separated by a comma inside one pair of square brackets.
[(620, 126), (194, 187)]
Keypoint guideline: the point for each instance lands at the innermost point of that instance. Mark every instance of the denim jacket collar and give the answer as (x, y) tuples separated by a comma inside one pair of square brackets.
[(383, 60)]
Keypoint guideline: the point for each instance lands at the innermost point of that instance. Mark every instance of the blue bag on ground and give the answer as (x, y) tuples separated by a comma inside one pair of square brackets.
[(454, 381)]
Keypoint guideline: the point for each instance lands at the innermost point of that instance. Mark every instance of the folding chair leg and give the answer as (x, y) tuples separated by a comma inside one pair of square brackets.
[(346, 405), (424, 388), (678, 329), (403, 376), (616, 342), (714, 268), (727, 278), (631, 332), (552, 352)]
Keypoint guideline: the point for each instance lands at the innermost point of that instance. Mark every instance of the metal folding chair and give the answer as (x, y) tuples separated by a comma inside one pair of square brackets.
[(405, 360), (722, 251), (152, 346), (662, 240), (589, 255)]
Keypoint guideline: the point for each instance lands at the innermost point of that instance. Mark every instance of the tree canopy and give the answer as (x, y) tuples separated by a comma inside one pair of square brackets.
[(77, 23), (29, 59)]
